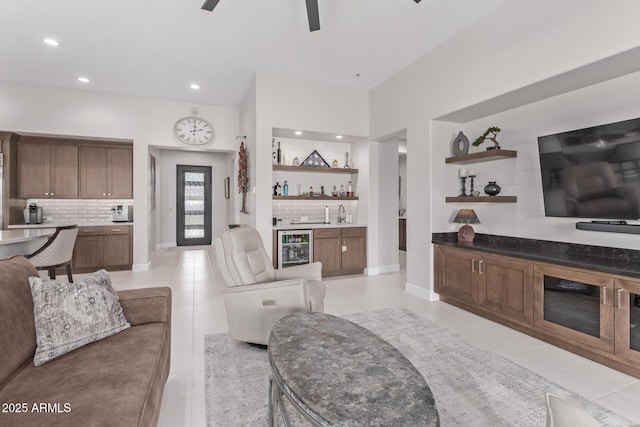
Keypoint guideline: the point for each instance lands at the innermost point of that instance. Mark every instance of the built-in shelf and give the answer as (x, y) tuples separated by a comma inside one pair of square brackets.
[(482, 156), (325, 197), (290, 168), (482, 199)]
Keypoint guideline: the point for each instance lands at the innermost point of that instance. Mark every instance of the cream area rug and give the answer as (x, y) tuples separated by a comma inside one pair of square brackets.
[(472, 387)]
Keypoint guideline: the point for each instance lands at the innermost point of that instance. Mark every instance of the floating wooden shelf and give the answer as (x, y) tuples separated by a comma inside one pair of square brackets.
[(482, 199), (314, 198), (290, 168), (482, 156)]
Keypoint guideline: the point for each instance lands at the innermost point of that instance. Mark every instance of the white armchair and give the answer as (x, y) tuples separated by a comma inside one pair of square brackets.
[(257, 295)]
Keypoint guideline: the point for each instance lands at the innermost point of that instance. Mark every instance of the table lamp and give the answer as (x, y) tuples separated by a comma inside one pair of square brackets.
[(466, 217)]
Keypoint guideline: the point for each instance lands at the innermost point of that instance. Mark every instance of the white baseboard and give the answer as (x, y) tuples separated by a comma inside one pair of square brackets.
[(141, 267), (166, 245), (421, 292), (374, 271)]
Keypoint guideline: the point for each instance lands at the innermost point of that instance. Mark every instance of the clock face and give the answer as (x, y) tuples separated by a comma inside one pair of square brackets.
[(194, 131)]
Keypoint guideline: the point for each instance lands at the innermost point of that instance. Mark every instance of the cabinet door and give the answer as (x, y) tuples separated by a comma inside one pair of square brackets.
[(326, 249), (120, 171), (627, 318), (506, 287), (35, 170), (459, 274), (64, 171), (116, 250), (88, 252), (93, 172), (353, 250), (575, 304)]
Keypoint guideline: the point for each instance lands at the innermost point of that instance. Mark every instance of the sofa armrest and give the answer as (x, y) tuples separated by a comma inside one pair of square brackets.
[(147, 305), (311, 271)]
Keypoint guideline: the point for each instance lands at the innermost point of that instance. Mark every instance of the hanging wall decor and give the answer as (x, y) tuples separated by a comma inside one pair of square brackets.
[(243, 177)]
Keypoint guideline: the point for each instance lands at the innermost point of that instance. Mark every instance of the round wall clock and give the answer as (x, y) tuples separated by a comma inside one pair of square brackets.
[(193, 130), (461, 145)]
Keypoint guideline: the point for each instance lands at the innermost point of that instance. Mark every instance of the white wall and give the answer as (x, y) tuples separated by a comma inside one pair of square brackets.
[(521, 44), (148, 122), (402, 174), (167, 163)]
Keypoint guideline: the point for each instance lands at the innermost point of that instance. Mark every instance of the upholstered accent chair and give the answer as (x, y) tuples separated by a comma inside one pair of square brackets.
[(56, 252), (256, 294)]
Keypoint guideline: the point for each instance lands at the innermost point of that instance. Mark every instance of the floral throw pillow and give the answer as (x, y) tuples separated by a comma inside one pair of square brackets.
[(71, 315)]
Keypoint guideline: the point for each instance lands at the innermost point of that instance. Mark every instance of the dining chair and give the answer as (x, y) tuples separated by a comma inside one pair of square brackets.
[(56, 252)]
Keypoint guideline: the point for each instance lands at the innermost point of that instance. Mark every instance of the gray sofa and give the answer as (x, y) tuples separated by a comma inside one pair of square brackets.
[(117, 381)]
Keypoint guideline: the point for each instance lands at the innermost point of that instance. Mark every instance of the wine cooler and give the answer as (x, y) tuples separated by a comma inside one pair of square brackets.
[(295, 247)]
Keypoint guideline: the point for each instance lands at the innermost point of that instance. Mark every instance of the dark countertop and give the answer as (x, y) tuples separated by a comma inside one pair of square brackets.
[(625, 262), (342, 374)]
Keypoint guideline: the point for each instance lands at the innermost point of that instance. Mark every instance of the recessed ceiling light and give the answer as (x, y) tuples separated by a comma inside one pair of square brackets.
[(51, 42), (83, 79), (298, 132), (194, 86), (339, 136)]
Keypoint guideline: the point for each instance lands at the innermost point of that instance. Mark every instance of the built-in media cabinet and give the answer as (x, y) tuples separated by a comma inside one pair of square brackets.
[(585, 299)]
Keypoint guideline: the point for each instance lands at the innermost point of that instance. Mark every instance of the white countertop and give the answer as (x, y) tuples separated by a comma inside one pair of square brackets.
[(307, 226), (82, 223), (9, 237)]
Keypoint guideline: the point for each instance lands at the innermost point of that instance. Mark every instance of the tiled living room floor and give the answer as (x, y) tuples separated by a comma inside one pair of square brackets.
[(198, 310)]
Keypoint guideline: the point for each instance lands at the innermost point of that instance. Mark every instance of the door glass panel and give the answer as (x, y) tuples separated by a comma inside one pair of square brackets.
[(634, 318), (193, 205), (572, 304)]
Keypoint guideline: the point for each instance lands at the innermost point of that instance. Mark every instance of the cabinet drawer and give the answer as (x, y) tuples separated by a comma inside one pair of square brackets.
[(354, 232), (320, 233), (104, 230)]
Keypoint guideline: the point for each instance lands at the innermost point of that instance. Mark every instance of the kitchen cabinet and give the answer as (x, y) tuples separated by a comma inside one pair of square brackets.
[(47, 170), (106, 172), (341, 250), (108, 247), (627, 319)]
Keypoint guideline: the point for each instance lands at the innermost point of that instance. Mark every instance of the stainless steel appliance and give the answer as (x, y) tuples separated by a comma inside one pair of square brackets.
[(122, 213), (33, 214), (295, 247)]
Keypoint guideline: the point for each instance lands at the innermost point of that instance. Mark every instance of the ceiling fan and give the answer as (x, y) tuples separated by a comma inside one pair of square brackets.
[(312, 11)]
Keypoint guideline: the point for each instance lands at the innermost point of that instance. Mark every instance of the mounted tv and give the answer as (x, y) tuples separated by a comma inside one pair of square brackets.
[(593, 172)]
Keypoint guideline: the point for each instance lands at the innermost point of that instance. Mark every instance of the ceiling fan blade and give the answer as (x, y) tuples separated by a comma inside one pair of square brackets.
[(210, 5), (312, 14)]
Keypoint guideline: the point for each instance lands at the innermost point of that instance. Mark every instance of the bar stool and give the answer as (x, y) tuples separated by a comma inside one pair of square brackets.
[(57, 252)]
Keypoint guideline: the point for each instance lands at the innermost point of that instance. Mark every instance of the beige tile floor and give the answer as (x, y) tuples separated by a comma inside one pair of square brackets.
[(198, 310)]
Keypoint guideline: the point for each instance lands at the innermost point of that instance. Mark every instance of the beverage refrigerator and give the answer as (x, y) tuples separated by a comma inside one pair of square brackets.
[(295, 247)]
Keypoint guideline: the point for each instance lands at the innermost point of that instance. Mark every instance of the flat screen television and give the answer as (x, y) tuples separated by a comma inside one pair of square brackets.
[(593, 172)]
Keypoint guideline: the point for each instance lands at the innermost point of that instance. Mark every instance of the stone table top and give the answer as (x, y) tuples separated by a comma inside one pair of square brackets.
[(344, 375)]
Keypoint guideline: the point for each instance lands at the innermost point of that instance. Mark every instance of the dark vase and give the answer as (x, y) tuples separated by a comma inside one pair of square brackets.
[(492, 188)]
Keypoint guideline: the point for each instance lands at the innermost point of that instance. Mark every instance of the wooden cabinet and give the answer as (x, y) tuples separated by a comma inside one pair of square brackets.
[(106, 172), (106, 247), (587, 312), (341, 250), (402, 234), (47, 170), (501, 285)]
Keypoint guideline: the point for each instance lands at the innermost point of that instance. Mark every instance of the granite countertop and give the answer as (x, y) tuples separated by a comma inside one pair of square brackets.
[(342, 374), (80, 223), (9, 237), (625, 262), (307, 226)]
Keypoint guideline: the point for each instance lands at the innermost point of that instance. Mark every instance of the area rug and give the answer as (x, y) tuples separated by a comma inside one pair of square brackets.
[(471, 386)]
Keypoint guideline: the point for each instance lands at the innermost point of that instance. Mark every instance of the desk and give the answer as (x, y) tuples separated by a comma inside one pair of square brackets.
[(337, 373), (24, 241)]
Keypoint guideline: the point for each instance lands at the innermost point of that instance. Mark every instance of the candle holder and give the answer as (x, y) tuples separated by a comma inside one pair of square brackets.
[(463, 192), (471, 192)]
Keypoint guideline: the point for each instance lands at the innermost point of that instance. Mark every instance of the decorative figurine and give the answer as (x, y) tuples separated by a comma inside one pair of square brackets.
[(276, 188)]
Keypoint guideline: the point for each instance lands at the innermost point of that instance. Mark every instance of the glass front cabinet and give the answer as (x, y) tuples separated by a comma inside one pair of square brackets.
[(592, 309)]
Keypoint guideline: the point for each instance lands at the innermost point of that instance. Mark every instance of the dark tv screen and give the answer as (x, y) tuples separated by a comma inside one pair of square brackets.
[(592, 172)]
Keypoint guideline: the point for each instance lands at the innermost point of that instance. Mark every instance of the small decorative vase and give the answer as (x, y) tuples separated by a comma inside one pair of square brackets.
[(492, 188)]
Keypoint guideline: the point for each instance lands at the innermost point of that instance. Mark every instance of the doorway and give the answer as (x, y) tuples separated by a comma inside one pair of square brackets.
[(193, 200)]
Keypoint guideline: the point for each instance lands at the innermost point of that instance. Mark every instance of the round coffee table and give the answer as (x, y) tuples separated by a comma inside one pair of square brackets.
[(337, 373)]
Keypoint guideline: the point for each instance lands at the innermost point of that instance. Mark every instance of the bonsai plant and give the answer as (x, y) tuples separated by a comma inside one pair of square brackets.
[(489, 134)]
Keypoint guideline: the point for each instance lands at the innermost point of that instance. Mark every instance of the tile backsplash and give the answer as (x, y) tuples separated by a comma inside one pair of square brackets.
[(78, 209), (290, 210)]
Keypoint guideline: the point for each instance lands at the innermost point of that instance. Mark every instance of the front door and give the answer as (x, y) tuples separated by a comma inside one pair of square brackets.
[(193, 199)]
